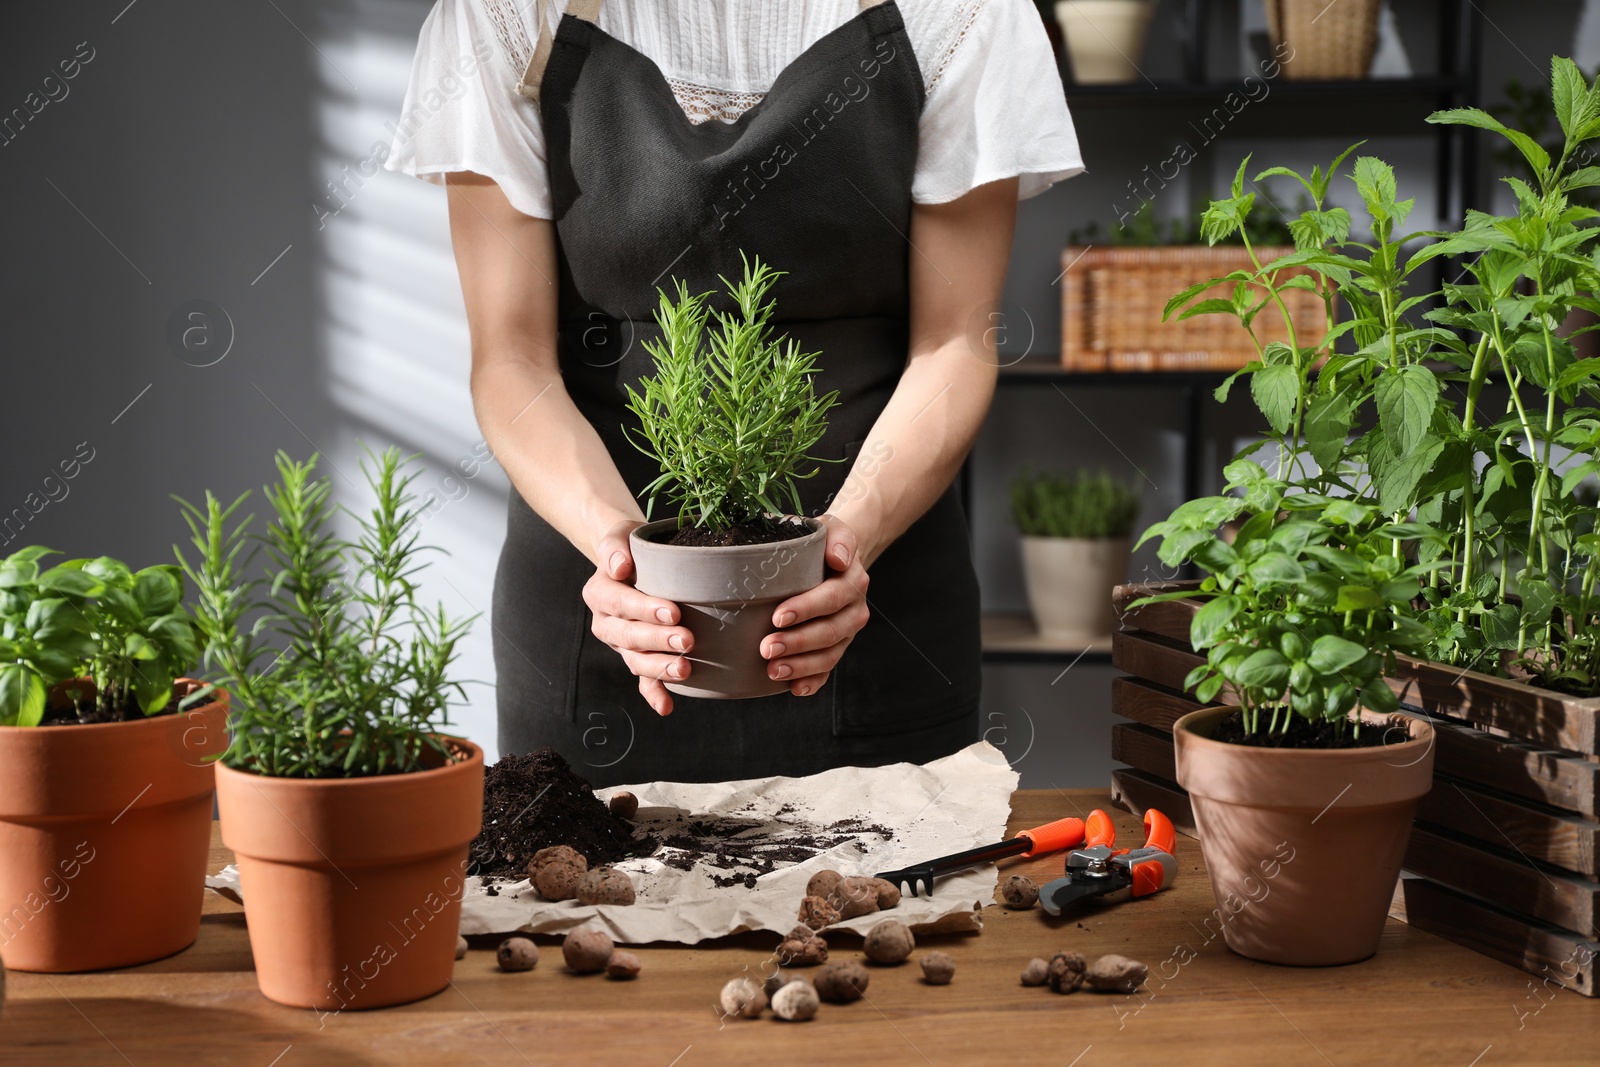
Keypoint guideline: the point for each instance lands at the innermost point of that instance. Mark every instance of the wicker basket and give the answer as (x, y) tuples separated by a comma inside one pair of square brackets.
[(1330, 41), (1112, 300)]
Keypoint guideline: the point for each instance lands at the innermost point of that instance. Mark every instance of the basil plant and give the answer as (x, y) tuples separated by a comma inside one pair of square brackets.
[(89, 640), (1306, 605)]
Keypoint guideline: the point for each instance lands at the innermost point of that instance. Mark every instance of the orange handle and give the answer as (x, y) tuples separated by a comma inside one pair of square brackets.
[(1053, 836), (1159, 832), (1099, 830)]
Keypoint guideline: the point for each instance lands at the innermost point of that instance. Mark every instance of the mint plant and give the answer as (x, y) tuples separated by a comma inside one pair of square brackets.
[(730, 413), (1082, 505), (1388, 408), (89, 640), (335, 668)]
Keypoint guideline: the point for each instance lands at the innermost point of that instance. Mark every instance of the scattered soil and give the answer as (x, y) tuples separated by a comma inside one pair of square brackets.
[(762, 531), (1302, 734), (748, 847), (537, 800)]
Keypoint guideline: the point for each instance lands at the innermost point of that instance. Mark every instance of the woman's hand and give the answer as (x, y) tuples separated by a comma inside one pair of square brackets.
[(819, 624), (643, 630)]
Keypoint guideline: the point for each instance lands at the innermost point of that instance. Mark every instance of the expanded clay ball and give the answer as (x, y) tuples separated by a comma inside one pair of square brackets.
[(841, 981), (622, 966), (778, 979), (558, 881), (938, 968), (1115, 974), (855, 896), (816, 913), (823, 883), (587, 951), (888, 894), (461, 947), (624, 805), (889, 942), (558, 854), (516, 954), (795, 1002), (1037, 972), (1066, 971), (1020, 891), (604, 885), (803, 947), (741, 998)]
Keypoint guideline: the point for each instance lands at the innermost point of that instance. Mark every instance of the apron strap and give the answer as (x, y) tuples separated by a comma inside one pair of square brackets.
[(587, 10)]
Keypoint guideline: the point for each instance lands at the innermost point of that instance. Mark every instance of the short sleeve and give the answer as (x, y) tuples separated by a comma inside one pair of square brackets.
[(996, 110), (462, 111)]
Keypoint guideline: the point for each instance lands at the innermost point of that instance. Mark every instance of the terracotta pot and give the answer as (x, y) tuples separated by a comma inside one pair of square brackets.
[(1069, 583), (1303, 846), (104, 832), (727, 596), (1105, 38), (352, 886)]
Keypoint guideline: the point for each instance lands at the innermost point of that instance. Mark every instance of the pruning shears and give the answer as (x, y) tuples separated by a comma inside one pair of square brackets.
[(1051, 837), (1100, 874)]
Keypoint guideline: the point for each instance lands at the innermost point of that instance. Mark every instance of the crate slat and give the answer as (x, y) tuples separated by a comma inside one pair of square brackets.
[(1142, 701), (1144, 748), (1137, 792), (1504, 878), (1570, 842)]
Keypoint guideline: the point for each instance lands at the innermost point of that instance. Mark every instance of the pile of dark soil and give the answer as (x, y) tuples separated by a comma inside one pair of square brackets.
[(1302, 733), (762, 531), (537, 800)]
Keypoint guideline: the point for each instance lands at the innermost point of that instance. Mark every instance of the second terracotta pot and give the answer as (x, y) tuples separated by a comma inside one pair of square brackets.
[(352, 886), (727, 595), (1303, 846), (104, 831)]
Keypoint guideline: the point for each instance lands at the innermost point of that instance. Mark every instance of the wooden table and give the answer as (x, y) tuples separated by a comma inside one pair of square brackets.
[(1420, 1001)]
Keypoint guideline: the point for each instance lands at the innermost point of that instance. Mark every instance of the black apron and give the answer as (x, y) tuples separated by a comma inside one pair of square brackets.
[(816, 180)]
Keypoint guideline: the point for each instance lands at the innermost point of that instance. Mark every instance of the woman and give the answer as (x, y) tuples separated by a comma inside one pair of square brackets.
[(872, 151)]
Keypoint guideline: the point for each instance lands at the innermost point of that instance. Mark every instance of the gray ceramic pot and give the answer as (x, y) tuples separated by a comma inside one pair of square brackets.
[(727, 596)]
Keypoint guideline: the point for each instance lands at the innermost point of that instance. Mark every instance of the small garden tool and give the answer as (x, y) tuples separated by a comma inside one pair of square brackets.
[(1051, 837), (1100, 874)]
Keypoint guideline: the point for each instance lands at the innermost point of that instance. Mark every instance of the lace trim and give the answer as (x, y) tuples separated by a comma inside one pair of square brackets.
[(960, 23), (702, 103), (509, 31)]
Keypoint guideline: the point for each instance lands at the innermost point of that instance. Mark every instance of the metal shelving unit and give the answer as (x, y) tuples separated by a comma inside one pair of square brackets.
[(1341, 106)]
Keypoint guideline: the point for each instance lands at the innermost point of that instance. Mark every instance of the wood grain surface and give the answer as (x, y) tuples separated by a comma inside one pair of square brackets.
[(1421, 1000)]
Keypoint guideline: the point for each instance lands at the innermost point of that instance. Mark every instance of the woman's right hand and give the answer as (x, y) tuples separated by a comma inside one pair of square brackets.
[(642, 629)]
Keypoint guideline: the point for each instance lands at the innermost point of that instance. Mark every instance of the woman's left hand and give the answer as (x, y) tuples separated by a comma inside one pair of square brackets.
[(819, 624)]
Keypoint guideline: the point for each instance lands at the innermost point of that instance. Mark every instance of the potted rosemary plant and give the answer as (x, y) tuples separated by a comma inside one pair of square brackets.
[(1074, 549), (349, 811), (730, 414), (105, 784)]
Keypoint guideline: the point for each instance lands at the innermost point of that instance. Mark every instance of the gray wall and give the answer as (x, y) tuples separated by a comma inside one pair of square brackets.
[(184, 161)]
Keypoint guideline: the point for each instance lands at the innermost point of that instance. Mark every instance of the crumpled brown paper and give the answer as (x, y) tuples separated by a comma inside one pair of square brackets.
[(951, 804)]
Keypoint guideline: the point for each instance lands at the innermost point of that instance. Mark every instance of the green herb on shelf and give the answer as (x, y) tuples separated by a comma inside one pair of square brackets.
[(336, 669), (1083, 505), (731, 413)]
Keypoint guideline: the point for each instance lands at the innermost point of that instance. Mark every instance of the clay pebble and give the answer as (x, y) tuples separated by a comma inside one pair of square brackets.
[(938, 968), (587, 951), (517, 954)]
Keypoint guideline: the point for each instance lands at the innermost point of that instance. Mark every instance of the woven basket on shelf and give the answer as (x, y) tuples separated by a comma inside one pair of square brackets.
[(1112, 300), (1330, 41)]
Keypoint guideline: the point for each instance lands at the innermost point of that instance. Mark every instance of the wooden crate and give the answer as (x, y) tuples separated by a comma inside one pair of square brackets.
[(1112, 299), (1505, 854)]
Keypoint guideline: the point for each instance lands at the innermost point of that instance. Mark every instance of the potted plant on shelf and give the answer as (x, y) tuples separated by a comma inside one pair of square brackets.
[(348, 810), (730, 418), (1074, 549), (1105, 38), (105, 784), (1468, 493)]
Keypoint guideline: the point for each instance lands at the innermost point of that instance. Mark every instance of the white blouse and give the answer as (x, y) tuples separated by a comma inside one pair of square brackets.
[(994, 107)]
